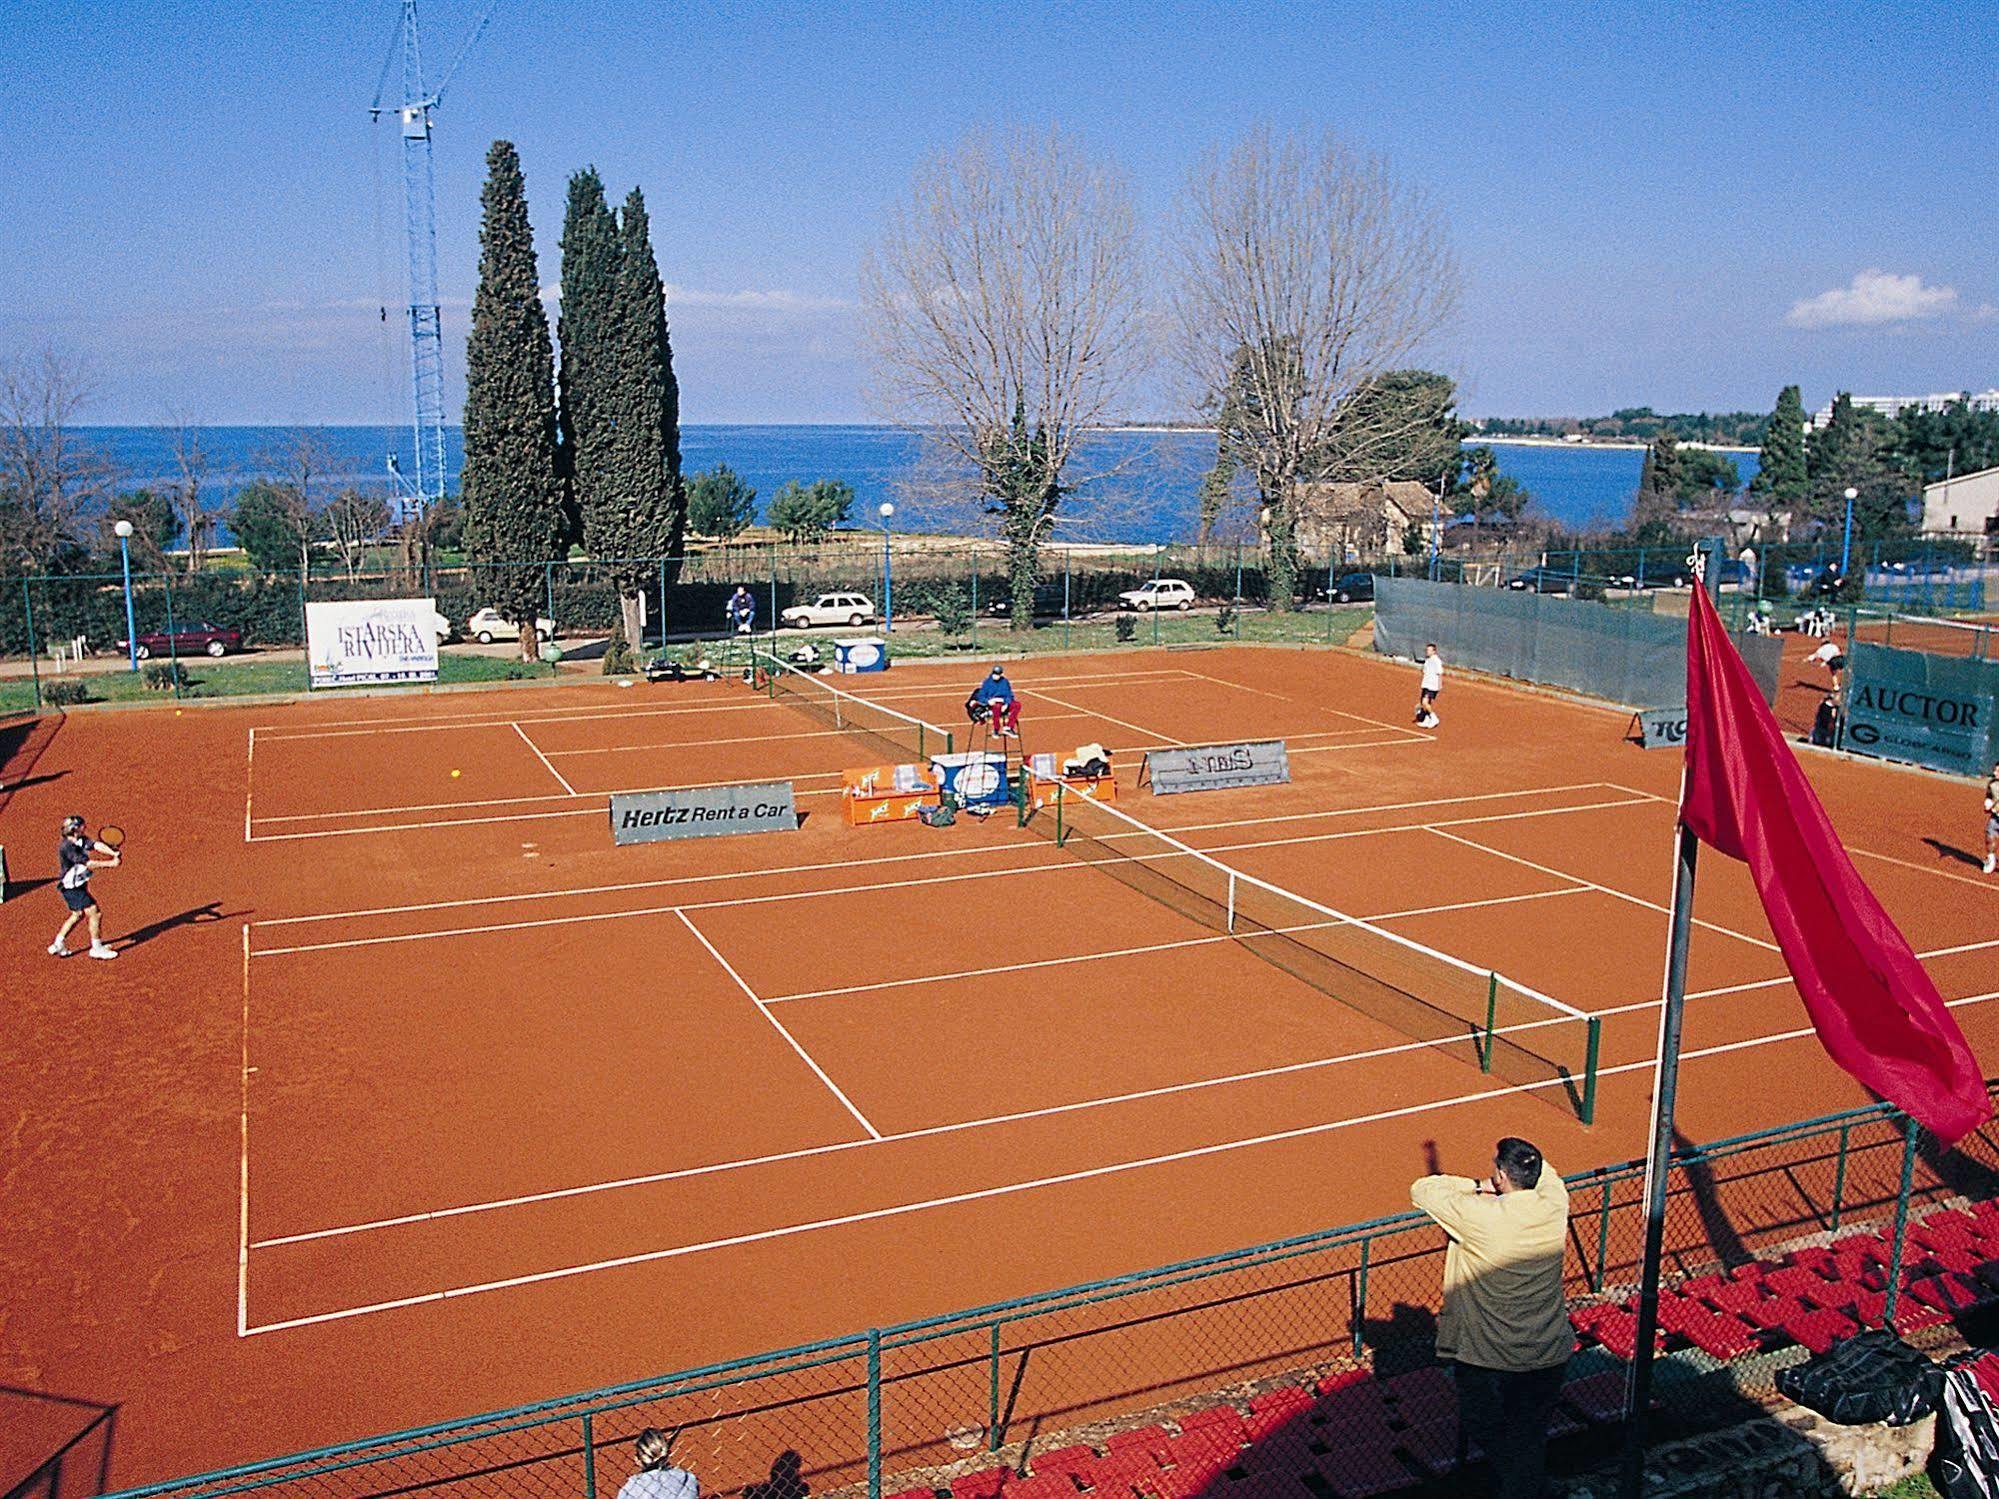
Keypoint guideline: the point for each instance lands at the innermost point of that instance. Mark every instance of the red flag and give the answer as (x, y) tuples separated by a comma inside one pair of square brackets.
[(1872, 1004)]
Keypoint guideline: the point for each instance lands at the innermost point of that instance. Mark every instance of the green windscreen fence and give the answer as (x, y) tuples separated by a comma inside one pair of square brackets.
[(1926, 709), (1624, 655)]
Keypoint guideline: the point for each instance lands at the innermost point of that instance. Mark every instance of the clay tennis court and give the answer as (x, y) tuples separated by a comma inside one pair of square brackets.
[(415, 1097)]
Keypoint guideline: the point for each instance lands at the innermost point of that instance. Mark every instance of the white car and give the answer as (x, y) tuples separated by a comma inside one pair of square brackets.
[(488, 625), (830, 609), (1160, 593)]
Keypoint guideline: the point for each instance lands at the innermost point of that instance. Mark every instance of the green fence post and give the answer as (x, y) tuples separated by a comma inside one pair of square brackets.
[(1901, 1222), (548, 584), (1358, 1318), (874, 1413), (992, 1394), (1602, 1233), (589, 1457), (1839, 1177), (305, 632), (773, 601), (173, 651), (1065, 598), (662, 606), (1595, 1045), (975, 599), (34, 655), (1155, 582)]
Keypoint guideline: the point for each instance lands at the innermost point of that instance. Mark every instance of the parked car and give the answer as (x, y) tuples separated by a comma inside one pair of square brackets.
[(1544, 580), (1351, 588), (1659, 572), (1160, 593), (193, 639), (488, 625), (830, 609)]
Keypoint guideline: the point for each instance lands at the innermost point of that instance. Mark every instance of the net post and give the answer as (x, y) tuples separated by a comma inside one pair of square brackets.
[(1491, 1015), (1588, 1110), (1060, 833), (1231, 902)]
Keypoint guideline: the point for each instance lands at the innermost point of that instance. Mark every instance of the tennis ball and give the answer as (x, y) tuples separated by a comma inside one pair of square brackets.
[(454, 775)]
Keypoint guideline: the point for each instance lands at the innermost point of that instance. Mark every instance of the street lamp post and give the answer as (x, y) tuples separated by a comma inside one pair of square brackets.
[(1846, 546), (888, 578), (124, 530)]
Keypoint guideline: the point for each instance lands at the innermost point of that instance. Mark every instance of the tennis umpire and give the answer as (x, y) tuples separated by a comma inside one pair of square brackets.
[(993, 698)]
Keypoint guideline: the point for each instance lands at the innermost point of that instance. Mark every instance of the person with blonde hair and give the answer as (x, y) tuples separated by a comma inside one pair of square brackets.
[(657, 1478)]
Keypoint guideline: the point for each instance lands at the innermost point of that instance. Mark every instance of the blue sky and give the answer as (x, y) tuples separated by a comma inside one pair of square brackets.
[(1679, 205)]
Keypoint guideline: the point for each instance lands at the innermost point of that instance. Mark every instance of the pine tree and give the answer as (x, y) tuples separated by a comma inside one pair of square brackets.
[(638, 510), (590, 254), (510, 487), (1780, 477)]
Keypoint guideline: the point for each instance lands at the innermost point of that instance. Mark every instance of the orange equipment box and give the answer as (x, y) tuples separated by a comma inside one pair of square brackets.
[(887, 793), (1096, 789)]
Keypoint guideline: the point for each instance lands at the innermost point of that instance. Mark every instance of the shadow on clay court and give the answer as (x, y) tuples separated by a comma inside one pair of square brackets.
[(192, 916), (1719, 1229), (1952, 851), (786, 1481)]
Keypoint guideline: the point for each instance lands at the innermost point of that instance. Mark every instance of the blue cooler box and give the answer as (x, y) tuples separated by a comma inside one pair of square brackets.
[(972, 779), (868, 653)]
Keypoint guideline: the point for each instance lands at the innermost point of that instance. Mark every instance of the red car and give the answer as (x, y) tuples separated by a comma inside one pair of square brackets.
[(197, 639)]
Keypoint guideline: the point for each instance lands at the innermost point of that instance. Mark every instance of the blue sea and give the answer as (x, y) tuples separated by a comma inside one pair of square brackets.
[(1147, 492)]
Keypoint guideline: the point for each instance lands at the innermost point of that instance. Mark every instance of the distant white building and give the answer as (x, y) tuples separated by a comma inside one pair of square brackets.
[(1967, 505), (1893, 406)]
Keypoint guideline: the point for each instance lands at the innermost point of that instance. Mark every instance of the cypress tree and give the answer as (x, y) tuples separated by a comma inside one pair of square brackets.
[(510, 487), (1780, 476), (590, 254), (639, 510)]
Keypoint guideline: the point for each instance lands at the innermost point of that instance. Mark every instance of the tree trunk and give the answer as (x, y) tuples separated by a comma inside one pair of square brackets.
[(629, 609), (530, 640), (1023, 566), (1283, 567)]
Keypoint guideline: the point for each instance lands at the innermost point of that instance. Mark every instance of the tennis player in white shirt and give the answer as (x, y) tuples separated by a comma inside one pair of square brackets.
[(1433, 683)]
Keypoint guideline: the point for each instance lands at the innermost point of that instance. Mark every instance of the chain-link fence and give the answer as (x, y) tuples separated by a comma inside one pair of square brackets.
[(1313, 1355)]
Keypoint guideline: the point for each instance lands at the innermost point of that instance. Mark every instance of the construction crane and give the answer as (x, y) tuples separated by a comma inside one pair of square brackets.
[(418, 491)]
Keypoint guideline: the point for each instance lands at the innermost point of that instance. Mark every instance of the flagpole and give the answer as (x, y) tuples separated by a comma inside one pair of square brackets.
[(1665, 1088)]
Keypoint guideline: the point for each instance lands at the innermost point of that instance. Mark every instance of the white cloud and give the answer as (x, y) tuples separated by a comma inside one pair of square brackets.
[(781, 302), (1875, 297)]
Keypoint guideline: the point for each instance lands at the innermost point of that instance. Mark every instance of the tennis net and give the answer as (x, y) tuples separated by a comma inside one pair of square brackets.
[(1482, 1017), (1920, 632), (894, 733)]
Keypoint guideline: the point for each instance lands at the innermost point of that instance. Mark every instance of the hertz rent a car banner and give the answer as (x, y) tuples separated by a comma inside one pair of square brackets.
[(373, 641)]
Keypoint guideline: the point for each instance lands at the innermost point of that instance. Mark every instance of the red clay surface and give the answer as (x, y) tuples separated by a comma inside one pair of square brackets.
[(413, 1097)]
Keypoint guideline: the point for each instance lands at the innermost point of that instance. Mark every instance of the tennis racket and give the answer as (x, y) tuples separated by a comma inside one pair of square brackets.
[(112, 837)]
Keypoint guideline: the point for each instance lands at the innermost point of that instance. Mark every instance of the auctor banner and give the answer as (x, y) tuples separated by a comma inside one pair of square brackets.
[(1929, 710), (702, 812), (354, 644)]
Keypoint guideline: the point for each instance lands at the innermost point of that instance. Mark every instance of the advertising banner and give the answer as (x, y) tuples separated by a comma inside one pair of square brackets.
[(371, 642), (1928, 710)]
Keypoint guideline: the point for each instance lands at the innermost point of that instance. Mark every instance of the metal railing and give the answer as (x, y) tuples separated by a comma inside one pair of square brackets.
[(908, 1406)]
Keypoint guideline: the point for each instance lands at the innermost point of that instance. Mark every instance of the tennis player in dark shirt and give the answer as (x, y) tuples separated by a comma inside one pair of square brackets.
[(76, 864)]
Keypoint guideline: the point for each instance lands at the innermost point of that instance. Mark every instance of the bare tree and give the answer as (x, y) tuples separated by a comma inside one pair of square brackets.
[(50, 480), (354, 520), (190, 472), (1004, 304), (297, 462), (1304, 273)]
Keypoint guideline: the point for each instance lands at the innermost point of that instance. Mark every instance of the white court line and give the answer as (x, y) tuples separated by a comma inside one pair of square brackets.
[(961, 876), (1011, 1188), (544, 759), (1158, 947), (972, 851), (243, 1179), (249, 780), (1944, 874), (352, 727), (778, 1025), (1635, 900), (1295, 702), (1050, 697), (654, 1178)]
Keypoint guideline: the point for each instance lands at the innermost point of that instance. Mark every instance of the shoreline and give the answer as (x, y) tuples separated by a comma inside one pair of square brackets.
[(1614, 444)]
